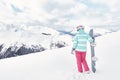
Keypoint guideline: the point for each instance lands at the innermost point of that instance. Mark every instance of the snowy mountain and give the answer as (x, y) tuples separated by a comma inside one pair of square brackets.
[(97, 31), (101, 31), (60, 64), (22, 39), (19, 39)]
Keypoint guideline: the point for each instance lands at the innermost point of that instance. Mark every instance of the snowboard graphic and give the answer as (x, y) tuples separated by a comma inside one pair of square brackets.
[(93, 64)]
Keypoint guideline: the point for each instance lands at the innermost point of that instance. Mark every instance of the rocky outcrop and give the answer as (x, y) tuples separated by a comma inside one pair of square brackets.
[(12, 51)]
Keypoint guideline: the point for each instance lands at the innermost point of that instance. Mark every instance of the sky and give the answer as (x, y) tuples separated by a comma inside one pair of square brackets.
[(61, 13)]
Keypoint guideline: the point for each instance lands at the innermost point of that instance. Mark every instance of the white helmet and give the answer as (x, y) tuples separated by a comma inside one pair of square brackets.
[(80, 27)]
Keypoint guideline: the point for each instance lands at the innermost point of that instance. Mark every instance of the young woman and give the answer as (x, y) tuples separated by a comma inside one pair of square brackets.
[(80, 48)]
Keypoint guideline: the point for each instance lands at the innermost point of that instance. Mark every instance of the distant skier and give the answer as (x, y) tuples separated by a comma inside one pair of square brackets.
[(80, 48)]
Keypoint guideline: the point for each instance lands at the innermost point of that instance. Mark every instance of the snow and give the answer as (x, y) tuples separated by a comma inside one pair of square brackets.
[(37, 66), (108, 52), (28, 35), (97, 31), (101, 31), (60, 64)]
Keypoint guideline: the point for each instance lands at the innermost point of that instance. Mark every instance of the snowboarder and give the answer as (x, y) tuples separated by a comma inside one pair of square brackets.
[(80, 48)]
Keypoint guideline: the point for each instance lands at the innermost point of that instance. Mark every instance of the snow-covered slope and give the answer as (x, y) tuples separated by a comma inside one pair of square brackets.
[(59, 64), (23, 39), (48, 65), (100, 31), (97, 31), (107, 51)]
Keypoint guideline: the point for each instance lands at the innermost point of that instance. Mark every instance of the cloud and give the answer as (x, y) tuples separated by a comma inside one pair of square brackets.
[(16, 9), (78, 8), (57, 13), (30, 10), (65, 2), (112, 5)]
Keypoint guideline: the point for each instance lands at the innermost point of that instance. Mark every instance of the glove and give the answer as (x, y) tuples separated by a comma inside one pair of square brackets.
[(73, 50)]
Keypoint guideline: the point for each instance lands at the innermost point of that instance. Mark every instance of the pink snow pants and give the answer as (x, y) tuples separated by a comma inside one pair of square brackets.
[(81, 61)]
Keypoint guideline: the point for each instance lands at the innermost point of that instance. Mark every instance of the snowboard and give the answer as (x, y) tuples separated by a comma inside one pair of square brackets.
[(93, 64)]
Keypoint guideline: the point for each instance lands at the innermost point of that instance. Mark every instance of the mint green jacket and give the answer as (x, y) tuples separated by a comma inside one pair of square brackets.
[(80, 41)]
